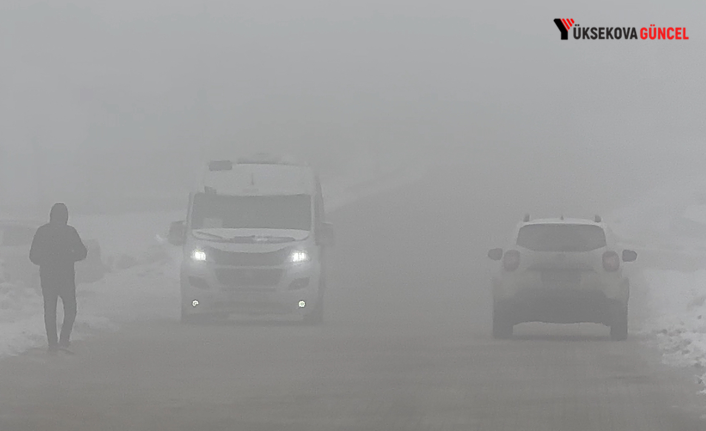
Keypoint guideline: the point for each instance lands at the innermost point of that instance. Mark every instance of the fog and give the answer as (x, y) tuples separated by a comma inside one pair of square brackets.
[(114, 107), (111, 96)]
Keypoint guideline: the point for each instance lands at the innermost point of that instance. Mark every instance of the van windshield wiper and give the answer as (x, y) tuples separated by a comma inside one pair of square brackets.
[(260, 238), (212, 235)]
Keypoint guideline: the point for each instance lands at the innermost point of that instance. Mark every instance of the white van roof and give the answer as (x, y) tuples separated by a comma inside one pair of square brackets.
[(557, 220), (259, 179)]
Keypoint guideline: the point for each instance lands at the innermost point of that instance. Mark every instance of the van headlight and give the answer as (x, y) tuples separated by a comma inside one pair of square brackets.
[(198, 255), (299, 256)]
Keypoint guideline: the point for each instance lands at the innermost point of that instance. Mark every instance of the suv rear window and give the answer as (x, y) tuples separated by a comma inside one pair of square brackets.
[(561, 237)]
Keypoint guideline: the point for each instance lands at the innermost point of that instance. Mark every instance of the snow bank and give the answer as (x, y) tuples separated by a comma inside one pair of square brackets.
[(667, 227), (677, 322), (16, 304), (21, 322)]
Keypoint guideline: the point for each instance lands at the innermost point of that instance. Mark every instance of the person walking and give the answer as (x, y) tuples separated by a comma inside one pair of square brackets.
[(56, 247)]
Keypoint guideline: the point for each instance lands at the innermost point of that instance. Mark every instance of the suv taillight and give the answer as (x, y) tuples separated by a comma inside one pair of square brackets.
[(611, 261), (511, 260)]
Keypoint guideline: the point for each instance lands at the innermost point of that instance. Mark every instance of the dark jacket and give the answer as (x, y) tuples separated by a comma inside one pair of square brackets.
[(55, 248)]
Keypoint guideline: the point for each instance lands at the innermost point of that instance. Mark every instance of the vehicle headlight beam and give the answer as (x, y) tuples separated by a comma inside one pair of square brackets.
[(198, 255), (299, 256)]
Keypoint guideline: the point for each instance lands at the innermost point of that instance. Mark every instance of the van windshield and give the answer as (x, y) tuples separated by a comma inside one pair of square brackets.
[(212, 211), (561, 237)]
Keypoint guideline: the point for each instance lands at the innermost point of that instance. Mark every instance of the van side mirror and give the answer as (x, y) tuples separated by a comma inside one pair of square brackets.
[(325, 235), (177, 233), (629, 256), (495, 254)]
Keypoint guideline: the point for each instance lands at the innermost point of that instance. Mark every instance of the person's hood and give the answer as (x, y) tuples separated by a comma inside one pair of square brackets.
[(59, 214)]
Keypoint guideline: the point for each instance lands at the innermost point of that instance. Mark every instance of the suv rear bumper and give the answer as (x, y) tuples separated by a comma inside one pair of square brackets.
[(559, 306)]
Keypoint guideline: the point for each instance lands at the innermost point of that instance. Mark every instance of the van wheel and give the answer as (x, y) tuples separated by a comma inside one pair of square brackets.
[(619, 325), (502, 328)]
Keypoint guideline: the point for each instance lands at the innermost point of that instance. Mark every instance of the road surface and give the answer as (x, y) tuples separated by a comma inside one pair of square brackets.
[(406, 346)]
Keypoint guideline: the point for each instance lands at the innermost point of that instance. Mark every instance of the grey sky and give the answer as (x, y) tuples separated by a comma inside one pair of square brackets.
[(103, 88)]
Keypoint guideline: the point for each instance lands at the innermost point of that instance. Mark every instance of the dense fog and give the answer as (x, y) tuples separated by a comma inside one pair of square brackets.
[(435, 126), (117, 100)]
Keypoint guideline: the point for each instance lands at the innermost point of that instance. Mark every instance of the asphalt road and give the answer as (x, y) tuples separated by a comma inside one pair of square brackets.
[(406, 346)]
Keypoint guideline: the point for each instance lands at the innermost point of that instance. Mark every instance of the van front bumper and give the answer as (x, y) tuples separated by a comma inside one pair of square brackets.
[(280, 290)]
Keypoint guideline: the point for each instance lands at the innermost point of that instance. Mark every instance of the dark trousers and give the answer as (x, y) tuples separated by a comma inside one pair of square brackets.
[(68, 299)]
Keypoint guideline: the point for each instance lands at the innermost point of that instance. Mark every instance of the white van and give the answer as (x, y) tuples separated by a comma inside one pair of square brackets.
[(254, 242)]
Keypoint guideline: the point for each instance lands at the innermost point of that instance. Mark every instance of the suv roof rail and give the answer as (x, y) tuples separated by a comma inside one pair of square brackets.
[(526, 218), (597, 219)]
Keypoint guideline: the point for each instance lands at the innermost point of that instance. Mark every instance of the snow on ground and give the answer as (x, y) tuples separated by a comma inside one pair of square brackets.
[(21, 323), (677, 322), (16, 304), (668, 229), (144, 269)]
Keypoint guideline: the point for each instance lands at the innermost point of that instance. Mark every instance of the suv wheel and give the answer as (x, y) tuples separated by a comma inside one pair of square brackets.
[(502, 328), (619, 325)]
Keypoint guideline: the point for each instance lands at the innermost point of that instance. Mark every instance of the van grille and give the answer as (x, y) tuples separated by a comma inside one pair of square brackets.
[(229, 258)]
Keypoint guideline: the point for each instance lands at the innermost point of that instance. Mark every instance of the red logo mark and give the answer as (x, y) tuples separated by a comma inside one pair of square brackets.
[(568, 22)]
